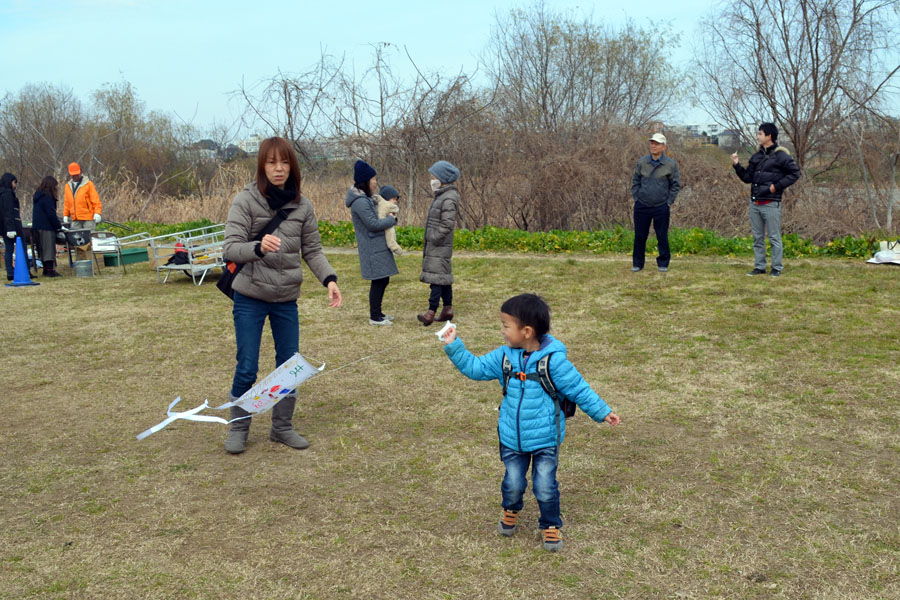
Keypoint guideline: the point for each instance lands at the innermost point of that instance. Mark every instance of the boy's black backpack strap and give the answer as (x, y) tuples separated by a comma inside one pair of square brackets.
[(506, 365), (543, 375), (543, 371), (562, 404)]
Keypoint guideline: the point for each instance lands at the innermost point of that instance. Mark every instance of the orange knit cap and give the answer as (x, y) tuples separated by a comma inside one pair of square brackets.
[(74, 169)]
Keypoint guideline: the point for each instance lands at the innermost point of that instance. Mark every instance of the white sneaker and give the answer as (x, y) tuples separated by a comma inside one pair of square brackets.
[(384, 322), (389, 318)]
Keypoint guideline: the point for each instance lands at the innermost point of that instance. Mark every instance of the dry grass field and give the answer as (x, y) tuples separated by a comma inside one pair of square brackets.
[(759, 454)]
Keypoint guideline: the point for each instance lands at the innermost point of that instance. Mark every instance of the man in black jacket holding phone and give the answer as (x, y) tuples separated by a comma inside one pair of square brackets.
[(770, 171)]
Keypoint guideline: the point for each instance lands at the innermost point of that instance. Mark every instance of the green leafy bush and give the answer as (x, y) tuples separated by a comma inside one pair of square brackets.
[(618, 240)]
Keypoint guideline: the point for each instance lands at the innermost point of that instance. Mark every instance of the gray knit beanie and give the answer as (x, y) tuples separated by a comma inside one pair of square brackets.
[(444, 171)]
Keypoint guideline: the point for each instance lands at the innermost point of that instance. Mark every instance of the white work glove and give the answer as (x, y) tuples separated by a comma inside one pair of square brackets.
[(97, 218), (67, 220), (11, 235)]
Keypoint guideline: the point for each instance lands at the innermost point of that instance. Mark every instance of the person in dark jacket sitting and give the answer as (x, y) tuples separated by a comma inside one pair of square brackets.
[(654, 186), (45, 223), (770, 171), (12, 220)]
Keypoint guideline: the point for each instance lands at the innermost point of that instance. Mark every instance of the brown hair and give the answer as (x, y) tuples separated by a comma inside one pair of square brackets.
[(49, 186), (281, 149)]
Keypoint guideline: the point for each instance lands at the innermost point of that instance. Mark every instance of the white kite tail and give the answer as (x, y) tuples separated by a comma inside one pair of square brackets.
[(188, 415), (281, 382)]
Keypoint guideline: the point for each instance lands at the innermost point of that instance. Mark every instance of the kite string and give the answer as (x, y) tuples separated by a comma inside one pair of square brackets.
[(191, 415), (376, 353)]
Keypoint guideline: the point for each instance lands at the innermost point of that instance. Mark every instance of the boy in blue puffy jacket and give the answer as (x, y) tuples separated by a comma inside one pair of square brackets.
[(529, 427)]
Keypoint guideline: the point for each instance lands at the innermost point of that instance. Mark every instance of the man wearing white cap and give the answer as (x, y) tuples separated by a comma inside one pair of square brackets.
[(81, 207), (654, 187)]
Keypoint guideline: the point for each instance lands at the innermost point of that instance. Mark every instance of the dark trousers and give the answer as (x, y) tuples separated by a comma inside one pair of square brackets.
[(438, 293), (8, 253), (376, 295), (643, 215)]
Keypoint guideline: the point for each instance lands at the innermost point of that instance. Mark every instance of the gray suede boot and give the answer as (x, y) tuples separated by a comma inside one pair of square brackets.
[(282, 430), (236, 441)]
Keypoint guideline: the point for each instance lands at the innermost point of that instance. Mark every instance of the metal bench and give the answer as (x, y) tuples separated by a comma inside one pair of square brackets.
[(204, 247)]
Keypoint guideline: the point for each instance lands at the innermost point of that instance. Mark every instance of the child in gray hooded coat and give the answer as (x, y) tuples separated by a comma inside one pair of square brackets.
[(437, 255)]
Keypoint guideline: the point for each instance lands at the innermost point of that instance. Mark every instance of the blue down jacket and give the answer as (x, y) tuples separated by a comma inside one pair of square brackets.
[(527, 420)]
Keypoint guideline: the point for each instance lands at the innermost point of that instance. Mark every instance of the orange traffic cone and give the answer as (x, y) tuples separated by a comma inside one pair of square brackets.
[(21, 276)]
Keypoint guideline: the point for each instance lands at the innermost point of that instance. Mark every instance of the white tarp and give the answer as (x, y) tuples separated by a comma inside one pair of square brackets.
[(889, 253)]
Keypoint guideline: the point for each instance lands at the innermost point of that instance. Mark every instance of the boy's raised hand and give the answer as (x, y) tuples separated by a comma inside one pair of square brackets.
[(612, 419), (449, 335)]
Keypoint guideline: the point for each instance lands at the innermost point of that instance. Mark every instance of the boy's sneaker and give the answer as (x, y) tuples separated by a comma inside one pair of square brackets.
[(552, 539), (636, 269), (388, 317), (507, 525), (775, 273), (757, 272), (383, 322)]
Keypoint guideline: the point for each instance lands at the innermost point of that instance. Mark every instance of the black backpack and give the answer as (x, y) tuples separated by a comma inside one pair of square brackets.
[(563, 405)]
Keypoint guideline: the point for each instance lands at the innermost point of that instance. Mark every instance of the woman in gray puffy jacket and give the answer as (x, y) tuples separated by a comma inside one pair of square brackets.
[(268, 285), (437, 268)]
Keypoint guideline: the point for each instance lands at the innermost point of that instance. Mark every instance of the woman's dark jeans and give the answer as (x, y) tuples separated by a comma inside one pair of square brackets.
[(249, 317)]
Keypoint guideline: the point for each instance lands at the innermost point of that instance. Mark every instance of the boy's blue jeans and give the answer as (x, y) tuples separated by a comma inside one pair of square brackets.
[(249, 317), (543, 482)]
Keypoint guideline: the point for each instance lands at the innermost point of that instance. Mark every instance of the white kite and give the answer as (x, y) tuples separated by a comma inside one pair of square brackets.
[(258, 399)]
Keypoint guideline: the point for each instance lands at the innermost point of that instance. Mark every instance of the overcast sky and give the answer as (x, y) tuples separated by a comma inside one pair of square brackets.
[(186, 56)]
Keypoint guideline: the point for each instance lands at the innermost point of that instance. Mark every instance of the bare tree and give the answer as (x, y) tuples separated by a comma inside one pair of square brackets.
[(293, 105), (127, 141), (397, 123), (876, 140), (41, 129), (793, 62), (555, 72)]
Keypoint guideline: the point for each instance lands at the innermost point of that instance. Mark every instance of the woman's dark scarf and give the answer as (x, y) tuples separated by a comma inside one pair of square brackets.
[(277, 197)]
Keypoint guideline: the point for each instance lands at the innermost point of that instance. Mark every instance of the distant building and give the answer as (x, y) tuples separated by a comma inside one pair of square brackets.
[(233, 152), (730, 139), (250, 145), (204, 150)]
